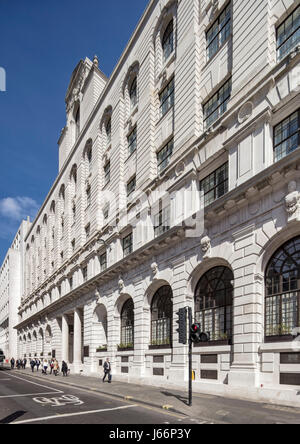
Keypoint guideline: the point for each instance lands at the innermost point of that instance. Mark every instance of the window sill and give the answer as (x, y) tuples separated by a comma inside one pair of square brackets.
[(214, 343), (272, 339), (160, 347)]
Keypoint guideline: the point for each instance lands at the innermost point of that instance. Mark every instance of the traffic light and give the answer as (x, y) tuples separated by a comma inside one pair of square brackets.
[(196, 335), (195, 332), (182, 325)]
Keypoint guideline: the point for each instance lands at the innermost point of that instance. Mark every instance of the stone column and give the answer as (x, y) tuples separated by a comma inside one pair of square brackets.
[(77, 341), (65, 339)]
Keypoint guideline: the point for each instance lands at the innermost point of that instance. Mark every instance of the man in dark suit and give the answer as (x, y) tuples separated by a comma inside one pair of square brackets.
[(107, 370)]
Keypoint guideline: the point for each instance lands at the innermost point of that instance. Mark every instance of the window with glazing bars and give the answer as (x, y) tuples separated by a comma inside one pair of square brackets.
[(103, 262), (282, 314), (162, 221), (168, 41), (219, 32), (213, 303), (161, 317), (107, 173), (217, 105), (164, 156), (133, 93), (132, 142), (127, 324), (108, 132), (215, 185), (131, 186), (166, 98), (287, 136), (288, 34), (127, 245)]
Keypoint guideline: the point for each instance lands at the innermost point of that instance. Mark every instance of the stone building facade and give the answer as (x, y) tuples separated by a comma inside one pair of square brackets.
[(178, 186), (11, 291)]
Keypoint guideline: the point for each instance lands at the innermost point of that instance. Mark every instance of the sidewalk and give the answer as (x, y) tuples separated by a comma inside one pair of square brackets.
[(216, 409)]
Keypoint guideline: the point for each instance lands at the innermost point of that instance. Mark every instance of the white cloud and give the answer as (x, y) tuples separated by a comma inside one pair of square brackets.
[(18, 208)]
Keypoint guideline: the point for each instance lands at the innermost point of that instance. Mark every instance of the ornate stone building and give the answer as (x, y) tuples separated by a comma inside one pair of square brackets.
[(204, 102), (11, 290)]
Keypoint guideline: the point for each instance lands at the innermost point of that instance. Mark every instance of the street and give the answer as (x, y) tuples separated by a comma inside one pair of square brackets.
[(26, 401)]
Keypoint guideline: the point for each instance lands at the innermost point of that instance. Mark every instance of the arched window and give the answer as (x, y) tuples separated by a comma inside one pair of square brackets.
[(168, 41), (127, 325), (213, 303), (282, 293), (161, 317), (133, 93)]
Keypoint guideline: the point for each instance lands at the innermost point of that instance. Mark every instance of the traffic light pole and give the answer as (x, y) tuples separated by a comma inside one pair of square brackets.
[(190, 401)]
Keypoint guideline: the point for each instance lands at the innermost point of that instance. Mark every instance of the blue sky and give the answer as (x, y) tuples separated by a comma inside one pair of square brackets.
[(41, 43)]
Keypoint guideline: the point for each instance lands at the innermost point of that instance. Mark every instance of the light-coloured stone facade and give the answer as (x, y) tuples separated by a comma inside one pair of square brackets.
[(183, 104), (11, 291)]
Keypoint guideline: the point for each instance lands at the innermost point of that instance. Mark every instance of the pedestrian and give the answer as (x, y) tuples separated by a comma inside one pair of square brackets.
[(37, 363), (55, 367), (45, 366), (107, 370), (18, 364), (12, 363), (32, 365), (24, 363), (64, 368), (51, 366)]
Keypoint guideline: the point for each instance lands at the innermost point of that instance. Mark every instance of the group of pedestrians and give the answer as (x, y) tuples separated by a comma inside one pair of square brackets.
[(52, 365), (19, 363)]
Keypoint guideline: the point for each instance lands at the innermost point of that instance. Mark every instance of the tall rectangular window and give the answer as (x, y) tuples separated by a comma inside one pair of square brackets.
[(219, 32), (162, 221), (127, 245), (287, 136), (132, 142), (217, 105), (131, 186), (288, 34), (107, 173), (103, 262), (166, 98), (215, 185), (164, 156)]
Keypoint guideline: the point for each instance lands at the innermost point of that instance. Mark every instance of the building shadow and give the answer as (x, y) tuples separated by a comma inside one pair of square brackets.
[(12, 417), (180, 398)]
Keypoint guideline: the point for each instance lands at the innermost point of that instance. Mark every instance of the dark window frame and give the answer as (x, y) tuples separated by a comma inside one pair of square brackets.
[(280, 44), (282, 292), (167, 97), (127, 324), (162, 317), (163, 163), (221, 26), (132, 141), (286, 139), (127, 247), (216, 299), (219, 102), (215, 188), (168, 40)]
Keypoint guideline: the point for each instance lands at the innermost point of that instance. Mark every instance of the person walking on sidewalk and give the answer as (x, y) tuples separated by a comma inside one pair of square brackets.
[(45, 366), (32, 365), (12, 363), (55, 367), (37, 363), (64, 368), (107, 370)]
